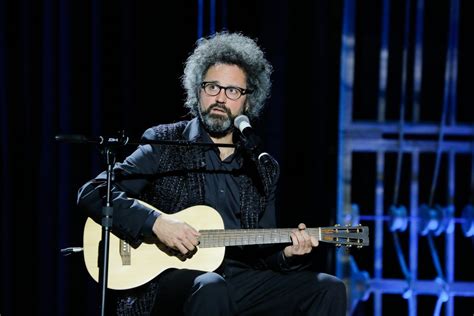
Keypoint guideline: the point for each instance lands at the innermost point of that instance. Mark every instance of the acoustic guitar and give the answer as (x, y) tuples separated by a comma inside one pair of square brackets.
[(131, 267)]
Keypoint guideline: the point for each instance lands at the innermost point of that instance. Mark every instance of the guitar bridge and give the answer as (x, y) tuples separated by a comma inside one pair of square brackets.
[(125, 253)]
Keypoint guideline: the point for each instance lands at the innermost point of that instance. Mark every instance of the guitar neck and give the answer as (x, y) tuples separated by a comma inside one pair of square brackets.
[(242, 237)]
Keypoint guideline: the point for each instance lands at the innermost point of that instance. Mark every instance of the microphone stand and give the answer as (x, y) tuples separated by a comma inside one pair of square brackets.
[(108, 146), (107, 220)]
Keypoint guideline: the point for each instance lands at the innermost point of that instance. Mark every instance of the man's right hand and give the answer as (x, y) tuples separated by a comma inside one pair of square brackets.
[(175, 234)]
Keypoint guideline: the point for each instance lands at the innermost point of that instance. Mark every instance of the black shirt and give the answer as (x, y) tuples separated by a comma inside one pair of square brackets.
[(221, 190)]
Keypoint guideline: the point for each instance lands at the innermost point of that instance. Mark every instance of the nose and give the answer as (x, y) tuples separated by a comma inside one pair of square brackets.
[(221, 97)]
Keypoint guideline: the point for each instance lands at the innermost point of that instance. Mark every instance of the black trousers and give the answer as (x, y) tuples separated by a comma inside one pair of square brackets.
[(240, 290)]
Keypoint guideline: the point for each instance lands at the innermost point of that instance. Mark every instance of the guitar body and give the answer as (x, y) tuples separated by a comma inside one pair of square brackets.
[(147, 261)]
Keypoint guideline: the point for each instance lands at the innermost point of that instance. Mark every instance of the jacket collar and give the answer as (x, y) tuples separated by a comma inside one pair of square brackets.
[(193, 130)]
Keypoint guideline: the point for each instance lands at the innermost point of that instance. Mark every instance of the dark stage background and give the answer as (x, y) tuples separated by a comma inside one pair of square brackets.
[(97, 67)]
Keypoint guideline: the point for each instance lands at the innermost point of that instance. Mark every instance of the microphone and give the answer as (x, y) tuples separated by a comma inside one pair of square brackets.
[(252, 141), (242, 122)]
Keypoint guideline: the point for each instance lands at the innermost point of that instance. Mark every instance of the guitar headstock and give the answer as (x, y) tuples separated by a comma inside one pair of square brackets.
[(347, 236)]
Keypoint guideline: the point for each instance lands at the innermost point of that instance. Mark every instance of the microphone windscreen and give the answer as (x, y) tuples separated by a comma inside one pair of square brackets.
[(241, 122)]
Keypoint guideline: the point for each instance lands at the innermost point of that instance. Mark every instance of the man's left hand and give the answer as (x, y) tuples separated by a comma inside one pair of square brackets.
[(303, 243)]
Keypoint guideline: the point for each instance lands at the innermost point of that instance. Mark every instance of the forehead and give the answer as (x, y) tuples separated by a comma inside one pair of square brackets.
[(226, 74)]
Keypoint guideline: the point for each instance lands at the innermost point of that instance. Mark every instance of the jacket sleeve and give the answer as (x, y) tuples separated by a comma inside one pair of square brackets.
[(131, 220)]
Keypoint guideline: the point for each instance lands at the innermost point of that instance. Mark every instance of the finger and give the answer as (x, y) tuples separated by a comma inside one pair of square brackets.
[(314, 241), (304, 241), (195, 232), (293, 248), (188, 244), (195, 241), (301, 247), (305, 235), (181, 248), (192, 231), (308, 241), (301, 238), (294, 239), (191, 237)]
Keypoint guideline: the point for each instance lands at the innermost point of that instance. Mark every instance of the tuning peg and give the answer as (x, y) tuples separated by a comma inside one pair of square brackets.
[(337, 225), (348, 225), (348, 246), (359, 246), (338, 245)]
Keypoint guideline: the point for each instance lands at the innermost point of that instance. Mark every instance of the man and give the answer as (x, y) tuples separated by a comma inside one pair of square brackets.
[(226, 76)]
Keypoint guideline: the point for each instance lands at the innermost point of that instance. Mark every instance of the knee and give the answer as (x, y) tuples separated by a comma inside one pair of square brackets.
[(210, 296), (334, 286), (339, 289), (210, 284)]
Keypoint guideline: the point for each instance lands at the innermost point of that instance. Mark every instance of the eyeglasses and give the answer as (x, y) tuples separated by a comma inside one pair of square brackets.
[(232, 93)]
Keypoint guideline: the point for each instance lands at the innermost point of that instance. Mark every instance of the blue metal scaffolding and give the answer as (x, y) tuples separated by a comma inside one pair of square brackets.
[(419, 222)]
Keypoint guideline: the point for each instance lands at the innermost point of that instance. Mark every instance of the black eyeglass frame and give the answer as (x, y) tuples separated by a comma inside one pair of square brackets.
[(241, 90)]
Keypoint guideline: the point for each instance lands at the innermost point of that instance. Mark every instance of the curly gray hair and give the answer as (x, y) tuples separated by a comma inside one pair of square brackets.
[(234, 49)]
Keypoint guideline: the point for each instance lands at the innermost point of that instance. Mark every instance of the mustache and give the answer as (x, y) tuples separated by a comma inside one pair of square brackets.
[(219, 106)]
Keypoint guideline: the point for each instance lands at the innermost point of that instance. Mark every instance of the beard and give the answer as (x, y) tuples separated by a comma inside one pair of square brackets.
[(217, 124)]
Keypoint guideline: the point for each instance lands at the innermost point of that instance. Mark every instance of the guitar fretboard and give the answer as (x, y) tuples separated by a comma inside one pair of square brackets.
[(242, 237)]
